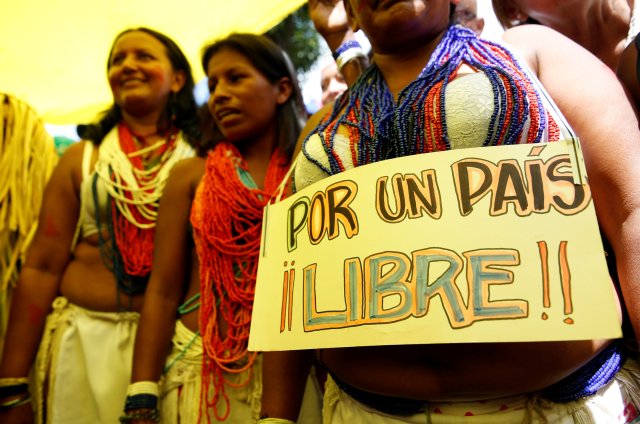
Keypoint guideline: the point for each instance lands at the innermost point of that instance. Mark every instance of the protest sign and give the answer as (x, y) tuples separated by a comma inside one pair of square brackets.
[(491, 244)]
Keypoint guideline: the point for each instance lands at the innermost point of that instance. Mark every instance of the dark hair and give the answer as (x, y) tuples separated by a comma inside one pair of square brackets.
[(274, 64), (210, 133), (181, 105)]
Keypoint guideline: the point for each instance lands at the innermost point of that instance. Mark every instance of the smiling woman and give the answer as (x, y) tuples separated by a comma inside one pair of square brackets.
[(91, 255), (140, 74)]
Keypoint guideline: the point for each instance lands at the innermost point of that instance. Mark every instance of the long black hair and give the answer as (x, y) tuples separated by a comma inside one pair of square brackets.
[(274, 64), (181, 107)]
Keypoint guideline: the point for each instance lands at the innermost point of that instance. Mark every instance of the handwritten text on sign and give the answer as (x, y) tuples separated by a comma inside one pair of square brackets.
[(419, 249)]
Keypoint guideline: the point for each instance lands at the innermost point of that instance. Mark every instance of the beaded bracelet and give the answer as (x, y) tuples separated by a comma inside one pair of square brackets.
[(347, 51), (141, 401), (147, 415), (13, 381), (13, 389), (14, 403), (347, 45)]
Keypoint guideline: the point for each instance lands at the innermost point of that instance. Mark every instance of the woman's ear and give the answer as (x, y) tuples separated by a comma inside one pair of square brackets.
[(284, 89), (353, 24), (179, 80), (514, 12)]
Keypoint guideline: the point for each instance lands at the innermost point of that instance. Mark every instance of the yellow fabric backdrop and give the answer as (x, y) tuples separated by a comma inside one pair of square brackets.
[(53, 53)]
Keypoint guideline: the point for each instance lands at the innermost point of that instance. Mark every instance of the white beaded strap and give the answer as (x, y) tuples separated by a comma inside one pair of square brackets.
[(87, 154), (277, 195)]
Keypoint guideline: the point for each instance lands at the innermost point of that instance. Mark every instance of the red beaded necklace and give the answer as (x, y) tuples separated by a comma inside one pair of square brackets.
[(227, 222), (135, 242)]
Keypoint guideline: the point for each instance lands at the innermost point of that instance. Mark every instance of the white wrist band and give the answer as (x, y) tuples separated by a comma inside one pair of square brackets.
[(348, 55), (143, 387)]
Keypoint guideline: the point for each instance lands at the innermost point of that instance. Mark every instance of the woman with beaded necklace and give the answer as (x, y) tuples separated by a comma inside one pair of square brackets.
[(416, 99), (92, 252), (208, 239)]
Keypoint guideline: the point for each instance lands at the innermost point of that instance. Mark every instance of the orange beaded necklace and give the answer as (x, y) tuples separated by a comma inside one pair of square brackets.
[(227, 222)]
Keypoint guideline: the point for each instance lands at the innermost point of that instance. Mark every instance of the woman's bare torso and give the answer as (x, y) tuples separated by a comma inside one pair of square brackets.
[(456, 372), (88, 283)]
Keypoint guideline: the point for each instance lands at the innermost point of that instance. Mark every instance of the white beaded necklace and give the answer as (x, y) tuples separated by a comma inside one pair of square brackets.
[(133, 187)]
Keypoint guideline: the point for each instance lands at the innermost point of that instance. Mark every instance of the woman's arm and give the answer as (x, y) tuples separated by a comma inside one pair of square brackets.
[(170, 273), (330, 20), (284, 374), (593, 101)]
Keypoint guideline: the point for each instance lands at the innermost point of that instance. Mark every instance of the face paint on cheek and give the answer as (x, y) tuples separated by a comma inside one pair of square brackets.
[(36, 314), (50, 229), (157, 73)]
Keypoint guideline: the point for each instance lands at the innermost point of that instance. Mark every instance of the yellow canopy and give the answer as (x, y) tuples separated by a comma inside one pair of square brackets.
[(53, 53)]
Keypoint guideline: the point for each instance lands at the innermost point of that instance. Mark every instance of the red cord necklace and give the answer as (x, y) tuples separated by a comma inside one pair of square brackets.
[(227, 222)]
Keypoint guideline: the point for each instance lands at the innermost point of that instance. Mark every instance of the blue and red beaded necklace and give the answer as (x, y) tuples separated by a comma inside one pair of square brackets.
[(379, 128)]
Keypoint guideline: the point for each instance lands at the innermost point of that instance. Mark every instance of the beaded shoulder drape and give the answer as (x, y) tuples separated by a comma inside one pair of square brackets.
[(380, 128), (227, 221)]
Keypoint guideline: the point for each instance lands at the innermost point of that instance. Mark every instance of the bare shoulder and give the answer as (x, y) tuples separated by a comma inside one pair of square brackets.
[(533, 36), (534, 42), (72, 156), (70, 163), (565, 69), (186, 174), (526, 31), (316, 118), (189, 166)]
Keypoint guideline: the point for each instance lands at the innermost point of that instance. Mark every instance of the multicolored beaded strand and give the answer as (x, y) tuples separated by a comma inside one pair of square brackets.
[(379, 128)]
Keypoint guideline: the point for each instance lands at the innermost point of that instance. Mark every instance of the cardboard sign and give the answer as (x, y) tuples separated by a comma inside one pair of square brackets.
[(490, 244)]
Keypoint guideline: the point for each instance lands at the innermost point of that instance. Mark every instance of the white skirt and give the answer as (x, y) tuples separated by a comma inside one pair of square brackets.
[(181, 388), (83, 365)]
